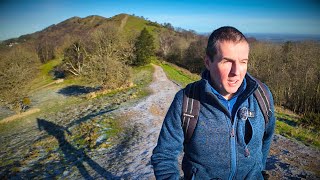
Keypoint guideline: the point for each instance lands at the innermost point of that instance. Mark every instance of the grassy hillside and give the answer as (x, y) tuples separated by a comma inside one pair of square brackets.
[(53, 41), (47, 93), (289, 126), (178, 75), (133, 26), (76, 27)]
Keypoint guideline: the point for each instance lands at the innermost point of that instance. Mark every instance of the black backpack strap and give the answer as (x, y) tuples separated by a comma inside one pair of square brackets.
[(263, 97), (190, 110)]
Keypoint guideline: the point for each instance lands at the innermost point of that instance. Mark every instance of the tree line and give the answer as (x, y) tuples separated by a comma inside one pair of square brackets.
[(292, 71)]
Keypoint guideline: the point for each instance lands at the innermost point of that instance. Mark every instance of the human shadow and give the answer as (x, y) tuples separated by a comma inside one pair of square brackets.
[(287, 121), (107, 109), (73, 156), (76, 90)]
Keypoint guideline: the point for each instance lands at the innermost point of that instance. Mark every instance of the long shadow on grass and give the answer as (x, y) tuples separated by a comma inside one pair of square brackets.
[(75, 90), (289, 122), (92, 115), (73, 156)]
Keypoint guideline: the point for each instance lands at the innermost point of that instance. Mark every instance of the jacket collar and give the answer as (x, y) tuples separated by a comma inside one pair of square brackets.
[(248, 88)]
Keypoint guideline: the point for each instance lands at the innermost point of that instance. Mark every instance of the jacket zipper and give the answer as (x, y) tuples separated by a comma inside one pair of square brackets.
[(231, 124), (233, 148), (233, 153)]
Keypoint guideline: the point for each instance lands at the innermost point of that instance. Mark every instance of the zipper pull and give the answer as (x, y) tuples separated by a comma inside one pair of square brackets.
[(232, 132), (246, 152)]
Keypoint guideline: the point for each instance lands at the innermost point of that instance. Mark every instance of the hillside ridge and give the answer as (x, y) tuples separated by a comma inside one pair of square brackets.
[(75, 26)]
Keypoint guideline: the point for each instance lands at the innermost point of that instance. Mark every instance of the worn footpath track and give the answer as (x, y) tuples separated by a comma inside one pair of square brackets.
[(131, 160)]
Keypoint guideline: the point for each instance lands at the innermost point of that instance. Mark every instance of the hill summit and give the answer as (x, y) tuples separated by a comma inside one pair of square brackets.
[(80, 27)]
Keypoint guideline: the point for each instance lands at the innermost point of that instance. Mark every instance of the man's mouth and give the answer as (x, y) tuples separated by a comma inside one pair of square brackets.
[(232, 82)]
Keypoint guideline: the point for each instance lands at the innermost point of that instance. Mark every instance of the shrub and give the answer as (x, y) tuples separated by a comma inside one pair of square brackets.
[(18, 67), (107, 72)]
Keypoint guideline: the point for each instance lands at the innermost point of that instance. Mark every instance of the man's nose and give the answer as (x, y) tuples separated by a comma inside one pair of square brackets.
[(235, 68)]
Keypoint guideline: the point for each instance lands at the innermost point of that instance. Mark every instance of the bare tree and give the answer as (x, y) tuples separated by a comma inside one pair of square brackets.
[(110, 41), (18, 67), (45, 49), (166, 41), (75, 57), (101, 59), (107, 72), (107, 62), (195, 54)]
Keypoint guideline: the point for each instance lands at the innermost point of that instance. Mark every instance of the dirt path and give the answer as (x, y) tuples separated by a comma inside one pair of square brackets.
[(146, 117), (124, 21)]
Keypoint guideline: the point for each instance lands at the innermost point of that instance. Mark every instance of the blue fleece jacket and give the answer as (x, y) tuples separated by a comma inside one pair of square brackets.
[(223, 146)]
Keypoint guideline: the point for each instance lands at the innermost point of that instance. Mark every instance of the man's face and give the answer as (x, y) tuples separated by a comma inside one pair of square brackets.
[(229, 66)]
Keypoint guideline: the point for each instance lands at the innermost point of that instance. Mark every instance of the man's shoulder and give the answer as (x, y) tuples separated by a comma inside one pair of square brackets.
[(259, 82), (195, 84), (264, 87)]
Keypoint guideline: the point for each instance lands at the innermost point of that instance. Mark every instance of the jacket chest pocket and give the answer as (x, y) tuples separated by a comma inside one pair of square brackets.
[(250, 131), (244, 132)]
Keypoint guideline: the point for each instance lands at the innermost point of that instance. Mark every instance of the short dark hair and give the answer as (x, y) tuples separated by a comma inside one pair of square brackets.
[(225, 33)]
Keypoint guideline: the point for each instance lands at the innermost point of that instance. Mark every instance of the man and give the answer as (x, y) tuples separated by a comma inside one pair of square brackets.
[(225, 144)]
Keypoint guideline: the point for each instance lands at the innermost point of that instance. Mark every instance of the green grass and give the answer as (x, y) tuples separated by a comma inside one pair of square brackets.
[(46, 68), (178, 75), (44, 76), (142, 77), (86, 134), (138, 24), (135, 25), (288, 126)]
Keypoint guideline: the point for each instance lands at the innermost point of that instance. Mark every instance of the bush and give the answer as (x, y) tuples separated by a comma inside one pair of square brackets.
[(18, 67), (107, 72)]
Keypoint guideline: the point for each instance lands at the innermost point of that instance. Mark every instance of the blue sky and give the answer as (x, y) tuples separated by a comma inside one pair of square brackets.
[(18, 17)]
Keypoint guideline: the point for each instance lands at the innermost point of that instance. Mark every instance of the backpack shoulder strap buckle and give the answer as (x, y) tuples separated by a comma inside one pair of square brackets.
[(188, 115)]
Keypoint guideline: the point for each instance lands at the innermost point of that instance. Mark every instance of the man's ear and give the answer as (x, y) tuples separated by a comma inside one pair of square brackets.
[(207, 62)]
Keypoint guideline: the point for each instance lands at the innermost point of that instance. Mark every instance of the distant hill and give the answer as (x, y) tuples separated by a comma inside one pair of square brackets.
[(81, 27)]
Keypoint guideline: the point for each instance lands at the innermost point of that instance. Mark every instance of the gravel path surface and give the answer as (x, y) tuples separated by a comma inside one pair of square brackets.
[(146, 117)]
